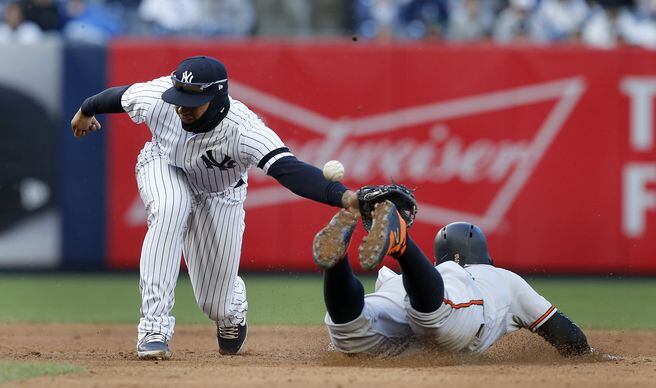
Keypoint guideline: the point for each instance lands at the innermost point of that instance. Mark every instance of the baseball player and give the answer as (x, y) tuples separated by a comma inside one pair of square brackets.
[(464, 304), (192, 178)]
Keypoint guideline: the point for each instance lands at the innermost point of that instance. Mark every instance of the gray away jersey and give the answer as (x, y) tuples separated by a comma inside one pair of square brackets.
[(214, 161)]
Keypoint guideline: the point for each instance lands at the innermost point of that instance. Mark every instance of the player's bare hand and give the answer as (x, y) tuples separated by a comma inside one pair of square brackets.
[(350, 202), (603, 356), (82, 125)]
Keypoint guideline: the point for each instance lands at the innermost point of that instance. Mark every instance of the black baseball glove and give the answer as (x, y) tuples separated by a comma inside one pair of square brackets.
[(402, 197)]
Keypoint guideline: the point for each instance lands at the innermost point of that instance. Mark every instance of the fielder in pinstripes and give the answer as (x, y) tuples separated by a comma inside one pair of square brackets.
[(192, 178), (463, 304)]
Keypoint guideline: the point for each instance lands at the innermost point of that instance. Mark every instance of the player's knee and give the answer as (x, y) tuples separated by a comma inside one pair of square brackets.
[(167, 213), (356, 336)]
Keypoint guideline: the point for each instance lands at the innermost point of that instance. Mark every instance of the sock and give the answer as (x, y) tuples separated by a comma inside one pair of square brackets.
[(342, 292), (421, 281)]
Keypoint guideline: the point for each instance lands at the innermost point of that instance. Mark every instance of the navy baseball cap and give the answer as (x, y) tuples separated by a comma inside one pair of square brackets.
[(196, 81)]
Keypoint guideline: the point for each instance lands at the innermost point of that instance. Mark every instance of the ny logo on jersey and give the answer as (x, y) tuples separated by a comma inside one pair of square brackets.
[(187, 76), (210, 162)]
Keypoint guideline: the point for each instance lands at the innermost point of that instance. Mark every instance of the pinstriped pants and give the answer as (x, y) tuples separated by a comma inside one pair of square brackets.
[(207, 228)]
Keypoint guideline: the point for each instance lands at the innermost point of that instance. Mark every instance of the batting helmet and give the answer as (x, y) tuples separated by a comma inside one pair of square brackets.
[(463, 243)]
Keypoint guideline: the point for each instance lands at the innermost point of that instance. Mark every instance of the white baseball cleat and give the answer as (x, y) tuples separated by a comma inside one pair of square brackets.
[(153, 346)]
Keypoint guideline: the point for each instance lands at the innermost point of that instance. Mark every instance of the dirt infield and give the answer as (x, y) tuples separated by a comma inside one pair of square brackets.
[(300, 357)]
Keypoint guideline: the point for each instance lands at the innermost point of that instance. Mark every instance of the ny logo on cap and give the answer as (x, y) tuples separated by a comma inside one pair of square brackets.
[(187, 76)]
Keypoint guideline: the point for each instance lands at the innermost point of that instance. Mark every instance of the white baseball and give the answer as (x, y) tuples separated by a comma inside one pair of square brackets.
[(333, 170)]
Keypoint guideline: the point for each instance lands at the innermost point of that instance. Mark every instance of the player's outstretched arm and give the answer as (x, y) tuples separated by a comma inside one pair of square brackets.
[(564, 335), (107, 101), (309, 182)]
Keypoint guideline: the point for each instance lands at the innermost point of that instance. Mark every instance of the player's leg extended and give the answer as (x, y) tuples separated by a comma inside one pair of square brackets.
[(389, 236), (212, 251), (343, 293), (165, 194), (377, 326), (421, 281)]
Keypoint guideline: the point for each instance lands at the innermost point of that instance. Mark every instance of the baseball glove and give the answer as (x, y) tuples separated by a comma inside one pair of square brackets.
[(402, 197)]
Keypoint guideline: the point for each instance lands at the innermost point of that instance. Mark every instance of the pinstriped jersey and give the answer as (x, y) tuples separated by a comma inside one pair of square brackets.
[(214, 162)]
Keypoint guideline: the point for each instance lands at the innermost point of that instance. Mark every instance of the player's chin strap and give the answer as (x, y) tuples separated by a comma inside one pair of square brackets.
[(217, 110)]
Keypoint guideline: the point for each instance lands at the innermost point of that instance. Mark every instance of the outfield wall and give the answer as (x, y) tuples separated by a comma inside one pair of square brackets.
[(550, 150), (30, 104)]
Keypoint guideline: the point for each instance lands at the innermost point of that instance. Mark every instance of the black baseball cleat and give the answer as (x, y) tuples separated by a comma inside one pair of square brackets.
[(231, 338), (330, 244), (387, 236), (153, 346)]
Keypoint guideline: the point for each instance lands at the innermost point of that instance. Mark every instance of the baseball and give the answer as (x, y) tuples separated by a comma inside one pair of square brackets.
[(333, 170)]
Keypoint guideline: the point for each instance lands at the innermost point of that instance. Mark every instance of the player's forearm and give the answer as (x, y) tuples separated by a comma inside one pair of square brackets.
[(564, 335), (307, 181), (107, 101)]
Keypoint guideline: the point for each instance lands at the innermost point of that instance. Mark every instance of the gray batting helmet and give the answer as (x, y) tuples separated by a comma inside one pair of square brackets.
[(463, 243)]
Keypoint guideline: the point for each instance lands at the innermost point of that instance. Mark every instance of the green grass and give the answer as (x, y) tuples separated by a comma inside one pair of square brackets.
[(291, 299), (20, 370), (603, 303)]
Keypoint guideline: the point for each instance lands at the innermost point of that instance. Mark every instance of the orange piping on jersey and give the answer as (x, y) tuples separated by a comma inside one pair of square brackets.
[(476, 302), (539, 320)]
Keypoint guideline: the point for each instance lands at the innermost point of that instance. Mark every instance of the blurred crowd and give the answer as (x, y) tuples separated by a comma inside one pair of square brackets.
[(598, 23)]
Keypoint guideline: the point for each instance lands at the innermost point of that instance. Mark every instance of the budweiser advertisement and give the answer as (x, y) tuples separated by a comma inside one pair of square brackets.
[(551, 150)]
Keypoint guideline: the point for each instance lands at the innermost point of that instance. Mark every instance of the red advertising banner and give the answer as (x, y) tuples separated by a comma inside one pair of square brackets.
[(550, 150)]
